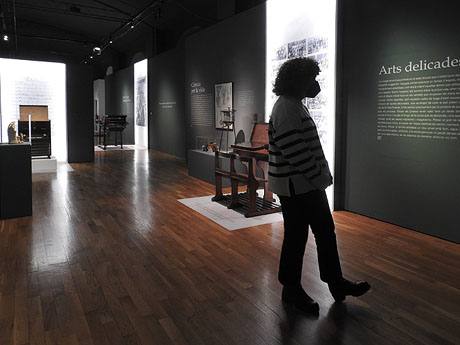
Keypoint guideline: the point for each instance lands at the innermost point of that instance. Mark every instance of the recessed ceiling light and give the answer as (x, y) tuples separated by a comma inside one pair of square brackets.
[(5, 37)]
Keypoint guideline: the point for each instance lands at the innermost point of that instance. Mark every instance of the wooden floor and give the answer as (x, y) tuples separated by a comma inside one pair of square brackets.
[(110, 257)]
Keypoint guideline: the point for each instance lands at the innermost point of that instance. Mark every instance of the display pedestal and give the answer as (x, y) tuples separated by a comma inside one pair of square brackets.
[(15, 181), (201, 164), (44, 165)]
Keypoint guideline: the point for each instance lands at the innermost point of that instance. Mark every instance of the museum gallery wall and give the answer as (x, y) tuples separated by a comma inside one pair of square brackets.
[(182, 83), (166, 102), (119, 99), (401, 92), (80, 121), (232, 51)]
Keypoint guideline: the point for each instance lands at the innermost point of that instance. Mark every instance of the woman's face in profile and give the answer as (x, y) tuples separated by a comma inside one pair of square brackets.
[(306, 89)]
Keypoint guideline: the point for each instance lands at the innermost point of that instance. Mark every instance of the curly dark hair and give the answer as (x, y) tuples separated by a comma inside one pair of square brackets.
[(293, 73)]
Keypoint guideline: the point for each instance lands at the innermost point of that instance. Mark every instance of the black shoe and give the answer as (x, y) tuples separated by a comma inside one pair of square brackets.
[(300, 299), (344, 288)]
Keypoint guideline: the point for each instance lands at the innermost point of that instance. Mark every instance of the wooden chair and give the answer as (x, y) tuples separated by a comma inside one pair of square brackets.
[(251, 180), (221, 173)]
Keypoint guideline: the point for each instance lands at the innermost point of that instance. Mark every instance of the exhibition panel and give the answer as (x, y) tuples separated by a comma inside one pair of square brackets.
[(401, 82), (167, 119)]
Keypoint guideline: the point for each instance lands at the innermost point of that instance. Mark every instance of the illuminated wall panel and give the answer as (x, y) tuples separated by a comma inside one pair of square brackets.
[(140, 105), (35, 83), (305, 28)]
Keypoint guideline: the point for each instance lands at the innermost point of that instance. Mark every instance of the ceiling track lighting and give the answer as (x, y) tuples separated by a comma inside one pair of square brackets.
[(153, 9)]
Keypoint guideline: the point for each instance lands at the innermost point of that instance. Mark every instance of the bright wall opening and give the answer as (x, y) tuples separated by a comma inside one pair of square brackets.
[(305, 28), (26, 82)]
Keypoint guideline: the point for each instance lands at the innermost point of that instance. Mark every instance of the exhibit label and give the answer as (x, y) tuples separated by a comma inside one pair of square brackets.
[(197, 88), (421, 65)]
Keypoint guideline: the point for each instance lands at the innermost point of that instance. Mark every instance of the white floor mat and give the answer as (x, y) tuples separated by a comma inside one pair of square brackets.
[(115, 148), (227, 218)]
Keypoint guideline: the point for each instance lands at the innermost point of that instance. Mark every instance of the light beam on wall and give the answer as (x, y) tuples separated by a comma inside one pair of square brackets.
[(305, 28)]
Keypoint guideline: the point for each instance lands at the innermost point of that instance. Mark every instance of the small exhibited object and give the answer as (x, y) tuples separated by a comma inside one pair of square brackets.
[(12, 137)]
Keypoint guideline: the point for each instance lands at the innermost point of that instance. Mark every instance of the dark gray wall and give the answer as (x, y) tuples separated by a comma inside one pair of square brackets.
[(412, 182), (166, 102), (119, 99), (231, 51), (80, 121)]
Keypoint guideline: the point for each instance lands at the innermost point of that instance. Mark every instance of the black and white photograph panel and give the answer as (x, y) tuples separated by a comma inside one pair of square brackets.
[(317, 44), (297, 49), (280, 53), (141, 109), (223, 101), (323, 61)]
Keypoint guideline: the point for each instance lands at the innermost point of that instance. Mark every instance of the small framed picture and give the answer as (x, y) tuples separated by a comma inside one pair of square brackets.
[(223, 96)]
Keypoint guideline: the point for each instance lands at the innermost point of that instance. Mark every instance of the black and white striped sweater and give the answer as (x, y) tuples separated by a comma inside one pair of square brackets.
[(295, 150)]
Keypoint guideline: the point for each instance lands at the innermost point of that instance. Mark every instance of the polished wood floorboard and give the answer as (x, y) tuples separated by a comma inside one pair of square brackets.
[(110, 257)]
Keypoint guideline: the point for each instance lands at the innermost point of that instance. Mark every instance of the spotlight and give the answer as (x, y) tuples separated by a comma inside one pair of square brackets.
[(97, 50), (91, 57), (5, 37), (131, 25), (110, 42)]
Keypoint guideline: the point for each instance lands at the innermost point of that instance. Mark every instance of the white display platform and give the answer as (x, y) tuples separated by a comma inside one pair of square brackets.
[(227, 218), (40, 165), (116, 148)]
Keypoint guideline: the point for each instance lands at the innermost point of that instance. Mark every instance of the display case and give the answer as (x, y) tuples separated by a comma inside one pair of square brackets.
[(40, 136)]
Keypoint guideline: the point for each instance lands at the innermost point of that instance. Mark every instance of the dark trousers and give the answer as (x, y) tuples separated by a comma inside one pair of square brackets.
[(299, 212)]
